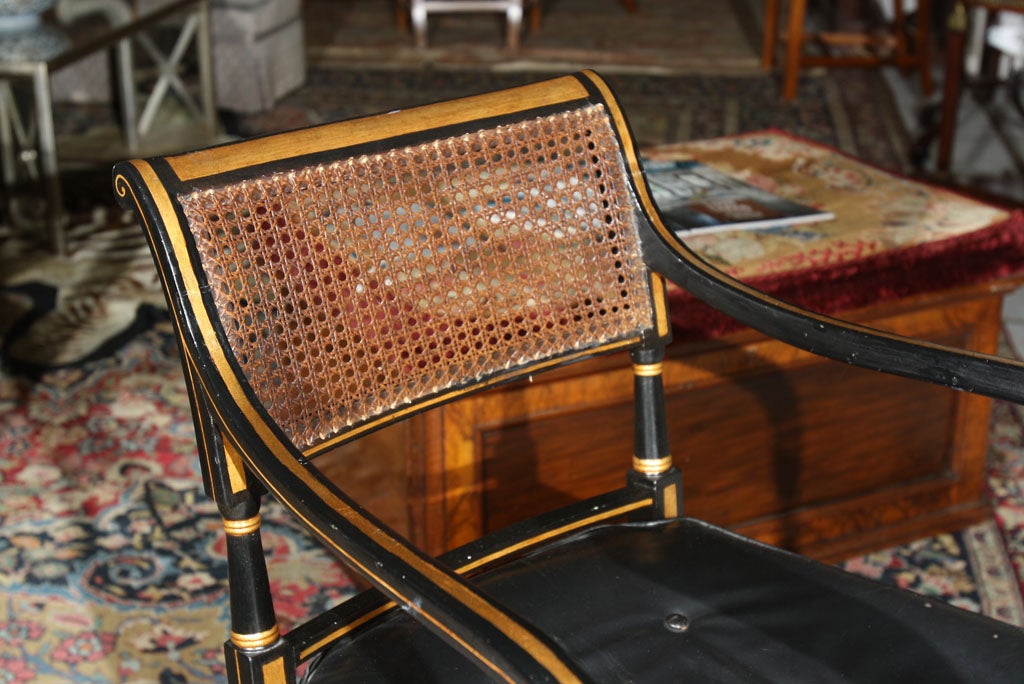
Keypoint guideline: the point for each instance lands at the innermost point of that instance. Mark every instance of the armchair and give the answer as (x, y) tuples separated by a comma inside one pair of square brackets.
[(330, 281)]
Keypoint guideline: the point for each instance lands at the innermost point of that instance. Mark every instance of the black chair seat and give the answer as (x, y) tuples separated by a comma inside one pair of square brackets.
[(695, 603)]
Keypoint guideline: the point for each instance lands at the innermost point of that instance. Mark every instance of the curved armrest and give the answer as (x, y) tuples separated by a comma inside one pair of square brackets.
[(504, 646), (858, 345)]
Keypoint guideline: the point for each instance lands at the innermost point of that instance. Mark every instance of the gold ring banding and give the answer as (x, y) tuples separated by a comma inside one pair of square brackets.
[(647, 370), (652, 466), (258, 640), (239, 528)]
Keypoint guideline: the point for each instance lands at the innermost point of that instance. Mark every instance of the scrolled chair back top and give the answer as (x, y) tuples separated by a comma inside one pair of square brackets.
[(352, 282)]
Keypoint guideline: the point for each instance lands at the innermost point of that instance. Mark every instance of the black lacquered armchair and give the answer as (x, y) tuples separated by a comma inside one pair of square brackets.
[(330, 281)]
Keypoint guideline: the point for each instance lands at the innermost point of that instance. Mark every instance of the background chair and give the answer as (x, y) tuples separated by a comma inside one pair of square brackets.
[(903, 45), (420, 10), (966, 14), (333, 280)]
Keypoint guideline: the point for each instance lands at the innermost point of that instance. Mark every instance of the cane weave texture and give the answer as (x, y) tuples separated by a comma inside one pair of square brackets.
[(350, 289)]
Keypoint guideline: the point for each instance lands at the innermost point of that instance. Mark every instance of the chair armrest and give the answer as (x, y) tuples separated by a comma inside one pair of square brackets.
[(434, 594), (309, 638), (985, 374)]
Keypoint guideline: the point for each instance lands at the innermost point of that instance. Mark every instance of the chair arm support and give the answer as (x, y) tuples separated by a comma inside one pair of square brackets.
[(984, 374), (461, 614), (309, 638)]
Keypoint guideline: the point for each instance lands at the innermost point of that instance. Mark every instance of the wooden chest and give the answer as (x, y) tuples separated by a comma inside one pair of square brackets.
[(795, 450)]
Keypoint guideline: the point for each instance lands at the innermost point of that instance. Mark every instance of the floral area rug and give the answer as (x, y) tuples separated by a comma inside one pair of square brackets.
[(981, 568), (112, 562)]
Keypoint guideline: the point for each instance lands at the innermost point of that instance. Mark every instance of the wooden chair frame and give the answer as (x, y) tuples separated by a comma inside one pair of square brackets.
[(796, 37), (245, 453)]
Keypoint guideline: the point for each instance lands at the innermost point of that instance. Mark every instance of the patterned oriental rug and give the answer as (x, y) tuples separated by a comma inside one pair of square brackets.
[(112, 561)]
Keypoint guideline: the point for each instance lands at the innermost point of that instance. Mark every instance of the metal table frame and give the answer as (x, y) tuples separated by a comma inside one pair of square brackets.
[(35, 143)]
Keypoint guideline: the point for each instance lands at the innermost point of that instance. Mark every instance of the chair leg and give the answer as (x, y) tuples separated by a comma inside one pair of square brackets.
[(771, 33), (514, 21), (535, 15), (255, 649), (794, 48), (418, 17), (402, 15)]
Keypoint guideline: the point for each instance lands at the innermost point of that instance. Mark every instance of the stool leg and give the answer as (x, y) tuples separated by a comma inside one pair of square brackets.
[(794, 48), (771, 33)]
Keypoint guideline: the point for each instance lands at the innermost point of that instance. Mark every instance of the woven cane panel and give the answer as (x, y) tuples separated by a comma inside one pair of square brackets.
[(353, 288)]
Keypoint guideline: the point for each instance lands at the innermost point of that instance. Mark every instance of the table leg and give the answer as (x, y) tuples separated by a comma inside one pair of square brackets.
[(48, 171), (126, 91), (204, 49), (770, 33), (8, 136), (951, 89), (794, 48)]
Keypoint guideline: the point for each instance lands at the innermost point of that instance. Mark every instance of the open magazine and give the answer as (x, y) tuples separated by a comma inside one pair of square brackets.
[(695, 198)]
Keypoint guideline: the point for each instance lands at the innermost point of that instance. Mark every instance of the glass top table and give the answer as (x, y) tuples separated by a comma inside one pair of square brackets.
[(28, 57)]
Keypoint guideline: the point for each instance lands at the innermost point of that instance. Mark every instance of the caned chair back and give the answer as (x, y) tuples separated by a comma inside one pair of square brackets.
[(351, 286)]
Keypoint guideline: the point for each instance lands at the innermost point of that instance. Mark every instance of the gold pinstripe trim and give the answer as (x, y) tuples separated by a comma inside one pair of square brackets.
[(258, 640), (651, 466), (273, 672), (661, 318), (648, 370), (355, 132), (484, 560), (350, 627), (670, 501), (533, 541), (240, 528), (236, 471)]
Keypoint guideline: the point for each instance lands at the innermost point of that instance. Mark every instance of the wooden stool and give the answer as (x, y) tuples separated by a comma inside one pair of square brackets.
[(420, 9), (892, 47)]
